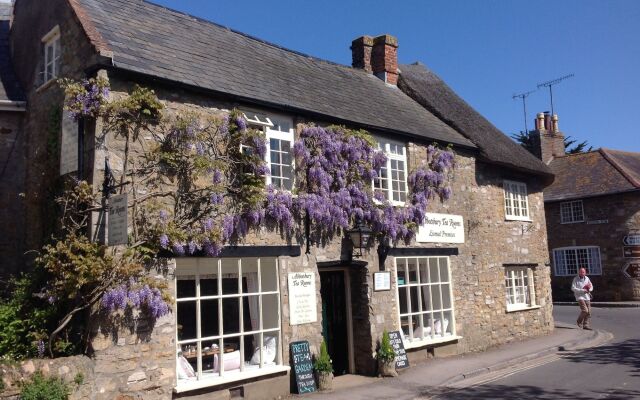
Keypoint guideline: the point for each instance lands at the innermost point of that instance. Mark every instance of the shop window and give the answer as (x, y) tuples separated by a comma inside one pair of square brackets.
[(567, 260), (392, 180), (228, 320), (571, 212), (520, 288), (425, 299), (50, 56), (516, 204)]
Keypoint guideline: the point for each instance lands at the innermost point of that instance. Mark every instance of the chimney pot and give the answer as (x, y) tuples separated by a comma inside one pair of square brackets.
[(555, 123), (540, 122)]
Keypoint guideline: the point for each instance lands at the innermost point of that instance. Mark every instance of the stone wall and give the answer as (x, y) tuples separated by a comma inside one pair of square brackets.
[(12, 168), (612, 217)]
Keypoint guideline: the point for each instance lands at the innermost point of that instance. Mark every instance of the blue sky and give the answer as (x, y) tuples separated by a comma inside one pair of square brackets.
[(485, 50)]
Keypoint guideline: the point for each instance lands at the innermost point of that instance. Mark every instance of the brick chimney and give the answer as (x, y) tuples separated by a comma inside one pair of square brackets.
[(377, 55), (547, 138)]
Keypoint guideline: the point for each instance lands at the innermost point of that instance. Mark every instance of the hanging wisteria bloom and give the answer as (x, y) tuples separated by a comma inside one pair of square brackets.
[(141, 297)]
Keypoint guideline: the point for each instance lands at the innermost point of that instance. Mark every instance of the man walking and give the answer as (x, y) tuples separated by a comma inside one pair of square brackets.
[(582, 288)]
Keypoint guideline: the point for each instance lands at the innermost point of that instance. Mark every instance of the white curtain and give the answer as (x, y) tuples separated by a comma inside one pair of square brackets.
[(254, 311)]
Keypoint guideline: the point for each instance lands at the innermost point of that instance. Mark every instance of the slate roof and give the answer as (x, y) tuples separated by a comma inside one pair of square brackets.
[(160, 42), (9, 86), (594, 173), (428, 89)]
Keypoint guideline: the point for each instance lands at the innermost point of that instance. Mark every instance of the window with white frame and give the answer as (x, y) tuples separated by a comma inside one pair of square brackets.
[(425, 299), (520, 287), (279, 134), (571, 212), (516, 205), (280, 153), (228, 319), (51, 55), (392, 180), (568, 260)]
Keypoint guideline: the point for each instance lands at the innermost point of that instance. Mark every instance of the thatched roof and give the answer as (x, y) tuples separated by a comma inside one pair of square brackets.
[(436, 96)]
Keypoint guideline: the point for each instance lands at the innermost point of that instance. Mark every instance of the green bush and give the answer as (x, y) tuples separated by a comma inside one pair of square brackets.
[(385, 352), (41, 388), (323, 361)]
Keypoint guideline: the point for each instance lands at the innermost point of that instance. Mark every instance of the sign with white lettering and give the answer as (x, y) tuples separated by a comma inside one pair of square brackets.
[(381, 281), (118, 220), (302, 365), (631, 251), (302, 298), (68, 144), (631, 240), (441, 228), (395, 338)]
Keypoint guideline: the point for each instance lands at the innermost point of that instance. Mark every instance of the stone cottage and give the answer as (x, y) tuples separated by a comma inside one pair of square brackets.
[(593, 215), (482, 281)]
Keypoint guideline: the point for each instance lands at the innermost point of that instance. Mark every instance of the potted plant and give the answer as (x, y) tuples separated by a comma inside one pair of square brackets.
[(324, 368), (386, 357)]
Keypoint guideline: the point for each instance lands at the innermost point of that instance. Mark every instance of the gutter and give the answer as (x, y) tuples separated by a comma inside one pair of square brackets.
[(10, 105)]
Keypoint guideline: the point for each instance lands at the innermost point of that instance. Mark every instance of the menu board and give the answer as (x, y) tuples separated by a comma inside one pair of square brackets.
[(402, 361), (302, 365)]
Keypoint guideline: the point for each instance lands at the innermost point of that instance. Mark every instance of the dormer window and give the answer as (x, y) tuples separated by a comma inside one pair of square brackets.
[(51, 55), (392, 180)]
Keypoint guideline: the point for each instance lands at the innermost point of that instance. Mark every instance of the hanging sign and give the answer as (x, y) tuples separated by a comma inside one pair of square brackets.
[(68, 144), (631, 240), (302, 298), (402, 361), (441, 228), (302, 365), (118, 220), (381, 281)]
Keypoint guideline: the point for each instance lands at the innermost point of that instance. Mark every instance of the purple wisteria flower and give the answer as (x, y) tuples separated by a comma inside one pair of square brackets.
[(41, 348), (164, 241)]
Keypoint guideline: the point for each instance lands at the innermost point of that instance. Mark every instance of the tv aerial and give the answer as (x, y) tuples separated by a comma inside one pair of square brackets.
[(524, 96), (550, 85)]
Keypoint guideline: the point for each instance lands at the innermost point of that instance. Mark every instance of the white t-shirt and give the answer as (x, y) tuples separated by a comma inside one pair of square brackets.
[(577, 286)]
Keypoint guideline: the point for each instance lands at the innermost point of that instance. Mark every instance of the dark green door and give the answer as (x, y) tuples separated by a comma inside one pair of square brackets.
[(334, 319)]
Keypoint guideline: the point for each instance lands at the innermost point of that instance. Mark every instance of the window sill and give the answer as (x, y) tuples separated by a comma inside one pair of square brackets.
[(428, 342), (521, 308), (213, 382), (518, 219), (46, 85), (571, 222)]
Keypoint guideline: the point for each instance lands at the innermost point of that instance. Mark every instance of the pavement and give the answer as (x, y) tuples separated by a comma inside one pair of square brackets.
[(604, 304), (450, 371)]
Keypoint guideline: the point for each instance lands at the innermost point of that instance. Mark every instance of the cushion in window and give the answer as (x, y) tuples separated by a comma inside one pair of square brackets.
[(268, 351)]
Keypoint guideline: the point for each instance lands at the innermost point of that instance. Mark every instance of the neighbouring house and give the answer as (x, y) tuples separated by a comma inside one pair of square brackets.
[(483, 283), (593, 215)]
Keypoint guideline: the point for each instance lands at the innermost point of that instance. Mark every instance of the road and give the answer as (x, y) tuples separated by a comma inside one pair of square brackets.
[(610, 371)]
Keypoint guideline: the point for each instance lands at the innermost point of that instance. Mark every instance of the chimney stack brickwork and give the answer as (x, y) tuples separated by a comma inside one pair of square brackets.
[(548, 141), (377, 55)]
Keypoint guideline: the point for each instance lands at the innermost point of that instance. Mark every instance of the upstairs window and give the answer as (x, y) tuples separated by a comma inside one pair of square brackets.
[(51, 55), (567, 260), (516, 205), (571, 212), (279, 135), (392, 180), (280, 153)]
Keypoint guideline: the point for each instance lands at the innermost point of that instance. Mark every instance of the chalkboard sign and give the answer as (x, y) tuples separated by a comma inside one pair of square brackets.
[(402, 361), (302, 365)]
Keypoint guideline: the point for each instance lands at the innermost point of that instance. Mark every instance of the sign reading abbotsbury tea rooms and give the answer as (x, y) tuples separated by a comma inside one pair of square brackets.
[(302, 298), (441, 228), (118, 220)]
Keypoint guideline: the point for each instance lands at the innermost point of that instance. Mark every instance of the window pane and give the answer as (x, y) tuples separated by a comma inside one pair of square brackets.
[(186, 288), (208, 285), (402, 298), (415, 298), (413, 271), (427, 324), (252, 313), (269, 275), (426, 297), (188, 361), (444, 270), (209, 318), (230, 276), (447, 325), (186, 316), (435, 297), (270, 311), (231, 315), (404, 325), (446, 296), (433, 270)]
